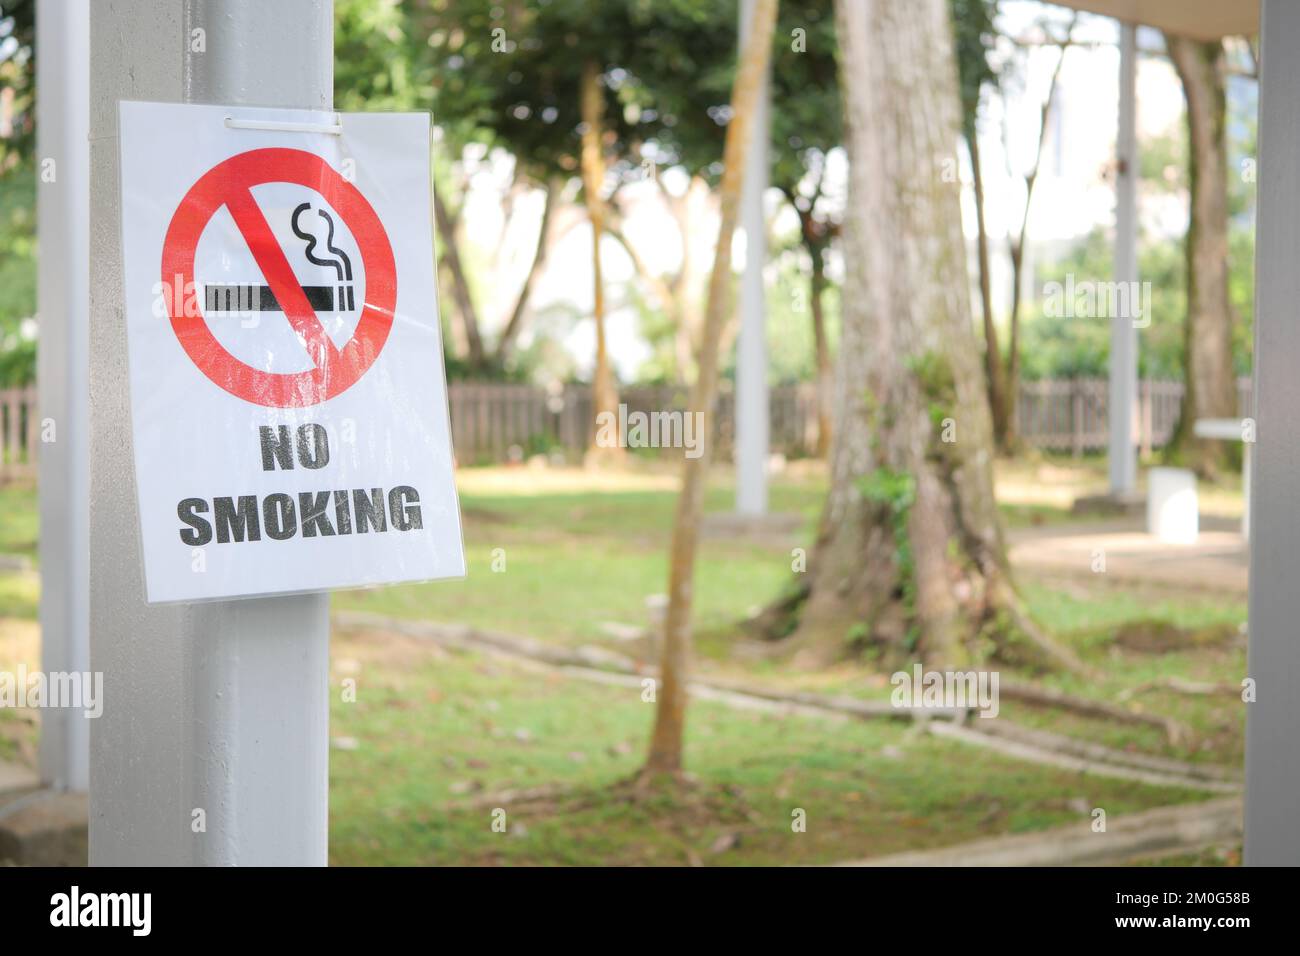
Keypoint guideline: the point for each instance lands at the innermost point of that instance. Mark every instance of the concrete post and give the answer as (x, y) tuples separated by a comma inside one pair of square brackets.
[(63, 293), (1123, 336), (216, 711), (752, 401), (1273, 719)]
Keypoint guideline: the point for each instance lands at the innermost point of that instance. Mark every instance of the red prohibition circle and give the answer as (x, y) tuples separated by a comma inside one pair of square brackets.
[(229, 184)]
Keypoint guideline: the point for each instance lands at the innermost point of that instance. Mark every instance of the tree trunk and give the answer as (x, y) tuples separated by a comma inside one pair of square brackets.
[(1008, 415), (603, 392), (992, 352), (822, 351), (665, 756), (459, 284), (1211, 383), (1011, 379), (511, 331), (910, 552)]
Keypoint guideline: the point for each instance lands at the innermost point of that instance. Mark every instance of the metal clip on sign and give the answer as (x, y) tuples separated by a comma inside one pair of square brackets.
[(334, 129)]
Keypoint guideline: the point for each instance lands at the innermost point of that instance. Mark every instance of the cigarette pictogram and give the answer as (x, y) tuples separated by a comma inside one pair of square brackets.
[(323, 298), (261, 298)]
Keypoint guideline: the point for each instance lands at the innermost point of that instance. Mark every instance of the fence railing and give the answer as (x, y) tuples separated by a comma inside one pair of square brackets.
[(19, 432), (1071, 414), (493, 422)]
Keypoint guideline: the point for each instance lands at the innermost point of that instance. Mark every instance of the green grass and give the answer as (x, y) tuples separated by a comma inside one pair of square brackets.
[(1104, 607), (19, 519), (20, 594), (437, 739), (436, 732), (572, 561)]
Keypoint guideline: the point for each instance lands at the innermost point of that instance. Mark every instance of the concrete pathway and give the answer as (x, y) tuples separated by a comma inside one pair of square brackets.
[(16, 776), (39, 827), (1218, 561)]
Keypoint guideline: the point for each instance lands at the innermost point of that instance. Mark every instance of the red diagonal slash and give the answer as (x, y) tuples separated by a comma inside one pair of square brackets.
[(280, 277)]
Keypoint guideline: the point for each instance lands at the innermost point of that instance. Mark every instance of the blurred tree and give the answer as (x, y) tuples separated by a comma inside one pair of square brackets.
[(604, 395), (665, 755), (383, 61), (17, 192), (1211, 389), (1004, 415), (1243, 120), (17, 274), (534, 78), (805, 128), (512, 75), (679, 295), (17, 82), (1061, 347), (910, 554), (973, 27)]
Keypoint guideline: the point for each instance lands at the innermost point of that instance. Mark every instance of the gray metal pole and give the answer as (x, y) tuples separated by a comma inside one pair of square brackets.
[(1273, 719), (63, 203), (215, 714), (752, 425), (1123, 336)]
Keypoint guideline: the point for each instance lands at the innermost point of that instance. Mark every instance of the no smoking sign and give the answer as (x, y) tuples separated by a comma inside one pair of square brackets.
[(288, 397)]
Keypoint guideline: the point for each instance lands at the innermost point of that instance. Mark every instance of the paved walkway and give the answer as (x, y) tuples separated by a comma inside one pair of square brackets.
[(1217, 562), (15, 776)]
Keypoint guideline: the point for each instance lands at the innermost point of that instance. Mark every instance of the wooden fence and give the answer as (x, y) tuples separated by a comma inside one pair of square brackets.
[(19, 433), (492, 422), (1071, 414), (497, 423)]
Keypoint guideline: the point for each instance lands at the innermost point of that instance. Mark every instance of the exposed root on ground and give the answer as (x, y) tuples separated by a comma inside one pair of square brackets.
[(1180, 686), (1174, 731)]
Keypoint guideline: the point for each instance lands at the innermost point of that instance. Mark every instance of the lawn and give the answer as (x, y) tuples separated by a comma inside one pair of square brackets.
[(436, 741), (557, 564)]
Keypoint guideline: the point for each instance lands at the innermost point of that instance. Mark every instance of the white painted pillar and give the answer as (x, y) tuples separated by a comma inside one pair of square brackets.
[(1273, 660), (63, 295), (220, 707), (752, 401), (1123, 336)]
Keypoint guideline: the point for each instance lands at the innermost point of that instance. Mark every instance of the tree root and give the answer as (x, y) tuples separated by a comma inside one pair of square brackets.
[(1049, 653), (1180, 686), (1174, 731), (1076, 747), (777, 620)]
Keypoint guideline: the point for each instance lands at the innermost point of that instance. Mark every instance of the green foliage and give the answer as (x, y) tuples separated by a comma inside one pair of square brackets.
[(1243, 143), (18, 77), (1056, 347), (1162, 161), (377, 57), (933, 374), (806, 113), (895, 491), (17, 193), (17, 254), (974, 38), (509, 75)]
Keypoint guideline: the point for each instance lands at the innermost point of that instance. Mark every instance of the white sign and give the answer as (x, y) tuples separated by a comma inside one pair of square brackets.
[(288, 398)]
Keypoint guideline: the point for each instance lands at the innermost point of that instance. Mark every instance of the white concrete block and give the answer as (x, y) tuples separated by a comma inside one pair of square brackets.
[(1172, 511)]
